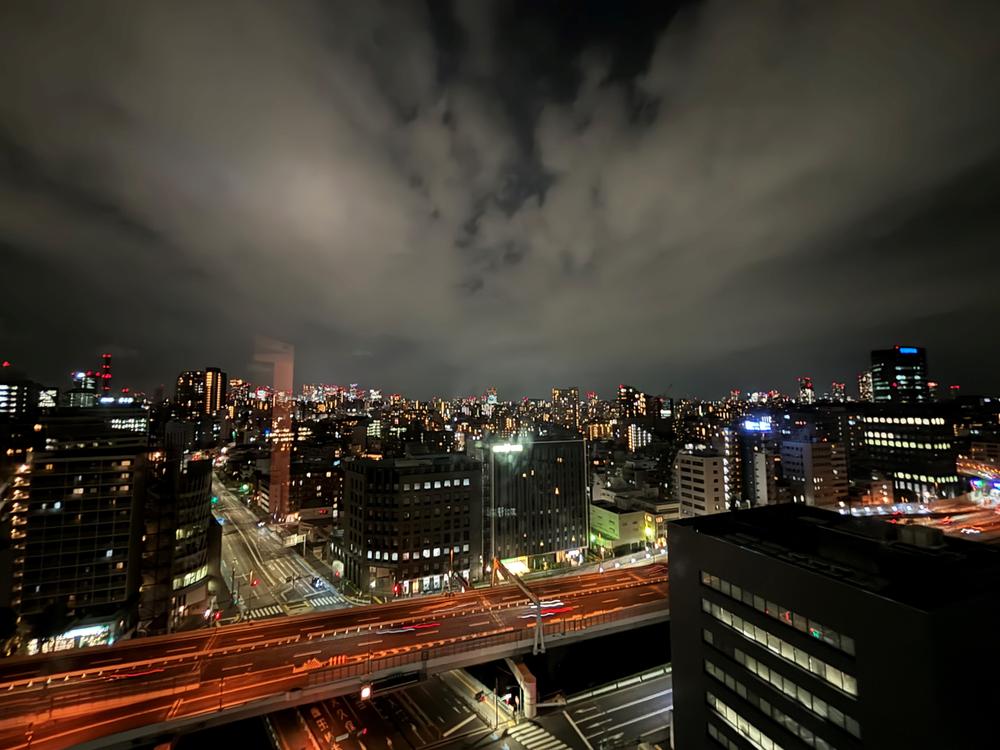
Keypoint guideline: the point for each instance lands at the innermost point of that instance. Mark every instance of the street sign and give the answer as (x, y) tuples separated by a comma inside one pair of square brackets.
[(292, 540)]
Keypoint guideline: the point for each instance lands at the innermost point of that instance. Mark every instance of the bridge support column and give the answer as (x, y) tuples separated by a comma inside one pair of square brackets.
[(529, 689)]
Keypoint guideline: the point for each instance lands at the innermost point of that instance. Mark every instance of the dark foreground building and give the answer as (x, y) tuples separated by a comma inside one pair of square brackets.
[(796, 627)]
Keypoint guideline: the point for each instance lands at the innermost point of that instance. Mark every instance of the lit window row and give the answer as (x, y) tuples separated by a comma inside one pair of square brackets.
[(820, 632), (792, 654), (906, 420), (437, 484), (765, 707), (748, 731), (719, 737), (815, 704), (884, 439), (925, 478), (427, 553)]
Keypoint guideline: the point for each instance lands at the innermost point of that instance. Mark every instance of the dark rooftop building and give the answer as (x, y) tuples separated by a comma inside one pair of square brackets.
[(796, 627)]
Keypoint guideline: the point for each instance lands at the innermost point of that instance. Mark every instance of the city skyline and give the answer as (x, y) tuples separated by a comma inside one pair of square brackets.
[(518, 195)]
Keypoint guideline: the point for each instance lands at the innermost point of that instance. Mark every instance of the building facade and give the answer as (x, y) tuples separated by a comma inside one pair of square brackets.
[(899, 375), (409, 523), (796, 627), (700, 482)]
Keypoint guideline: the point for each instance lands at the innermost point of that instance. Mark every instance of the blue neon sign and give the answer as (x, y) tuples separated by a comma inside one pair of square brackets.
[(907, 350)]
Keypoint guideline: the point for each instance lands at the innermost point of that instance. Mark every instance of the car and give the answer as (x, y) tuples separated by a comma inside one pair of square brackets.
[(318, 583), (408, 628), (546, 612), (971, 530), (261, 524)]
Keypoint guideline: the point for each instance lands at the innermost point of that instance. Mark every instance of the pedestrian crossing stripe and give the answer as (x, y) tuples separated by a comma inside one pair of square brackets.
[(270, 611), (535, 737), (323, 601)]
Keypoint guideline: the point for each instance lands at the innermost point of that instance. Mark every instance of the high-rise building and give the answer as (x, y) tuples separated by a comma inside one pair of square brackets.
[(700, 482), (782, 619), (915, 446), (838, 391), (216, 384), (899, 375), (201, 392), (410, 522), (631, 403), (77, 515), (177, 549), (83, 394), (865, 391), (566, 407), (759, 460), (806, 393), (536, 501)]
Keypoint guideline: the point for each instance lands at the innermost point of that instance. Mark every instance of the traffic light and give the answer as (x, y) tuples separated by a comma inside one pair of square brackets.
[(218, 615), (255, 582), (215, 499), (366, 692), (397, 588)]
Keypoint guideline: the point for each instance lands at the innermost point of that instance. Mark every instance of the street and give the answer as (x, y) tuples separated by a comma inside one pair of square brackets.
[(251, 552)]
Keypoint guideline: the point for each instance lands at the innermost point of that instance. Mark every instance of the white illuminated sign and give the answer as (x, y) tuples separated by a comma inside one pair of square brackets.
[(508, 448)]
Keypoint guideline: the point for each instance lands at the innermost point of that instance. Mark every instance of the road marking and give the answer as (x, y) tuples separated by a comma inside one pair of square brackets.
[(477, 624), (238, 666), (107, 661), (370, 643), (369, 619), (609, 601), (308, 653), (182, 648), (470, 717), (577, 730)]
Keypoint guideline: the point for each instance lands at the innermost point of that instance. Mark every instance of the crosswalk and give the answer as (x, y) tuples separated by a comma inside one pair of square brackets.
[(272, 610), (325, 601), (533, 737)]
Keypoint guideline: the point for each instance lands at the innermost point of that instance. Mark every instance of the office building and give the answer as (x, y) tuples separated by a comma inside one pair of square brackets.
[(815, 471), (536, 502), (899, 375), (760, 460), (409, 523), (565, 407), (796, 627), (105, 374), (178, 553), (77, 516), (700, 484), (83, 394), (915, 446)]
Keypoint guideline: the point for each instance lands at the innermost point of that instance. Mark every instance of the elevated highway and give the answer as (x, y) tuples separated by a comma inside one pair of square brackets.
[(155, 687)]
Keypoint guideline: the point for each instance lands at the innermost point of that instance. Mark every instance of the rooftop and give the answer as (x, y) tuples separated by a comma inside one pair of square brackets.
[(914, 565)]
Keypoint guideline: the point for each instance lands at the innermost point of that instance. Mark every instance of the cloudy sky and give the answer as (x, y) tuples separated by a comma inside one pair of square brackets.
[(435, 198)]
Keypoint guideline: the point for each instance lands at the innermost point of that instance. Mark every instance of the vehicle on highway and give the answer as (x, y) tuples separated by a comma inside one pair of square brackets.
[(318, 583), (548, 608)]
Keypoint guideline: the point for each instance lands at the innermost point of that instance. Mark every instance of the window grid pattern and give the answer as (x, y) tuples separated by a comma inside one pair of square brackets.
[(797, 693), (792, 654), (715, 734), (765, 707), (748, 731), (775, 611)]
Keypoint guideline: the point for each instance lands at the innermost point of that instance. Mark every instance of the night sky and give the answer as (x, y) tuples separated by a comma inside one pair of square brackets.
[(438, 198)]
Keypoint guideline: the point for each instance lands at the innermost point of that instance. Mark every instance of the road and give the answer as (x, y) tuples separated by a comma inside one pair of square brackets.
[(82, 695), (252, 552), (442, 712)]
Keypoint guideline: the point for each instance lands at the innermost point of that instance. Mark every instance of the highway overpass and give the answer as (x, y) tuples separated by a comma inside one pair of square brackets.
[(156, 687)]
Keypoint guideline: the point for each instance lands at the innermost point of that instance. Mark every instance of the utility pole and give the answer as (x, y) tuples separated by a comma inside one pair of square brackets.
[(496, 703)]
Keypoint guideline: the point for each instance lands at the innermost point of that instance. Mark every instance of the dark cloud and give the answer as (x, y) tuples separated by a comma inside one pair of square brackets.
[(436, 198)]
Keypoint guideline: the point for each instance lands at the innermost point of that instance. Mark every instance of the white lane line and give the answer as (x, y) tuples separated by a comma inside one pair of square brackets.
[(238, 666), (639, 718), (308, 653), (370, 643), (609, 601), (578, 732), (470, 717), (477, 624), (648, 593)]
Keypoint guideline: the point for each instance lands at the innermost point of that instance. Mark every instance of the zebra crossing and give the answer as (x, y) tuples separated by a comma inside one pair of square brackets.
[(534, 737), (325, 601), (272, 610)]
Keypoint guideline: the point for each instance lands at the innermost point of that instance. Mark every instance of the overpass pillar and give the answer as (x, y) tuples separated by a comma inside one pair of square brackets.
[(529, 689)]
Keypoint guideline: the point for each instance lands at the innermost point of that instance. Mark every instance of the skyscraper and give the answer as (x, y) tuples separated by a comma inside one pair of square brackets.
[(806, 393), (566, 407), (865, 392), (77, 514), (106, 374), (201, 392), (216, 384), (899, 375), (797, 627)]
